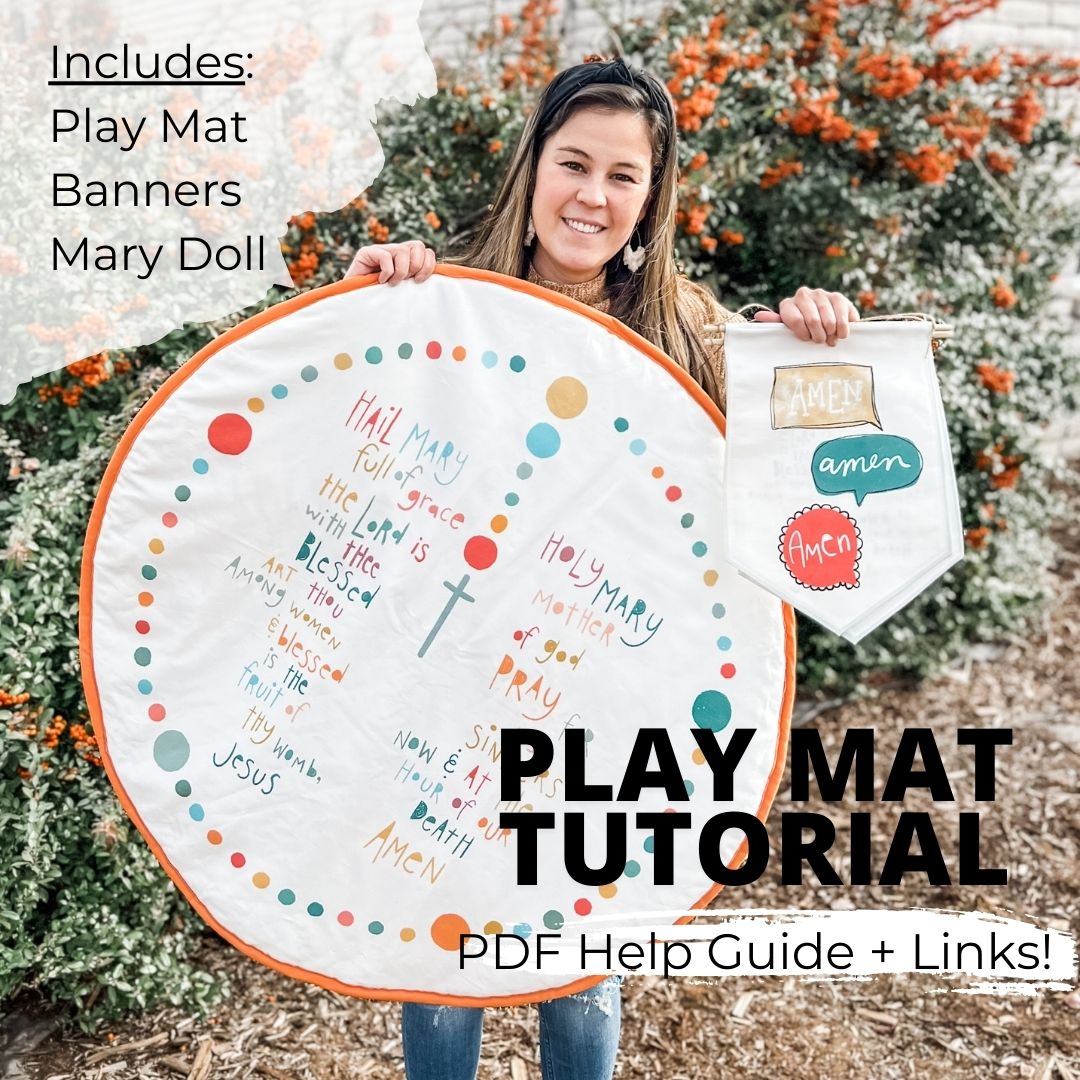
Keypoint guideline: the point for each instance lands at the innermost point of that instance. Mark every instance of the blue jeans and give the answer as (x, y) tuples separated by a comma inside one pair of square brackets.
[(579, 1037)]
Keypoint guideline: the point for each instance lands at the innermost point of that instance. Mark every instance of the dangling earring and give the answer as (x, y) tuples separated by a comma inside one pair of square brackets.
[(633, 257), (530, 233)]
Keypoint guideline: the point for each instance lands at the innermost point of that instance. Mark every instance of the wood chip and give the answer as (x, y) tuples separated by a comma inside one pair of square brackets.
[(519, 1070), (127, 1048)]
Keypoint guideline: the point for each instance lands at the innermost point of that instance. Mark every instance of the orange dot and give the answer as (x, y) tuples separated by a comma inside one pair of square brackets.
[(482, 823), (493, 927), (447, 929), (146, 599), (498, 523), (608, 891), (711, 578), (658, 472), (407, 933), (260, 880), (698, 756), (214, 836), (255, 404), (343, 361), (459, 352), (156, 546)]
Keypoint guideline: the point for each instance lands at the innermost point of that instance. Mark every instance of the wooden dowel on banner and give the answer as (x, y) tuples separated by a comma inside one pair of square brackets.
[(941, 332)]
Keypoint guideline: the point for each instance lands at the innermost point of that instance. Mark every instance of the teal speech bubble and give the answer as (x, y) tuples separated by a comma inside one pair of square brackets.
[(863, 464)]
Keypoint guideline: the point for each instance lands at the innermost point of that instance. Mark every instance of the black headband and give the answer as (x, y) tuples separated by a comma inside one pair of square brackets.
[(617, 71)]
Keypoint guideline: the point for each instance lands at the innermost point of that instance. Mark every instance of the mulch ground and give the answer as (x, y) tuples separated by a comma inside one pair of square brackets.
[(771, 1028)]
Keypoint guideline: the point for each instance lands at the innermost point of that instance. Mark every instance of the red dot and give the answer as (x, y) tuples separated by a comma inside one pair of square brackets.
[(169, 519), (229, 433), (567, 553), (518, 635), (142, 626), (728, 671), (237, 859), (345, 918), (673, 493), (434, 350), (455, 802), (669, 810), (480, 552), (582, 906), (156, 712)]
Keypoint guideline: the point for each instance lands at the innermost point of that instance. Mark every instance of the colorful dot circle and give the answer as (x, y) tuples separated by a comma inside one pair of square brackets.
[(256, 405), (689, 786), (142, 626), (658, 472), (405, 350), (142, 656), (723, 643), (637, 446), (458, 353), (621, 423), (146, 599), (686, 520), (182, 493), (196, 811), (698, 756), (522, 929), (230, 433), (512, 498), (608, 891), (493, 927), (447, 929), (434, 350), (260, 880), (237, 859), (286, 897), (699, 548), (345, 918), (649, 844), (567, 397), (280, 391), (517, 363), (553, 919), (499, 523), (710, 577), (407, 933), (375, 927), (719, 611), (480, 552), (673, 493), (543, 441), (728, 671), (145, 686), (183, 789), (309, 373), (373, 355), (711, 710), (213, 837), (343, 361), (582, 906), (632, 868), (315, 909), (149, 572), (169, 519), (156, 713), (171, 750), (489, 359), (156, 546), (200, 466)]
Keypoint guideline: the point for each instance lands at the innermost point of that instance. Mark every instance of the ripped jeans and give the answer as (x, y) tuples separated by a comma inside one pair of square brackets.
[(579, 1037)]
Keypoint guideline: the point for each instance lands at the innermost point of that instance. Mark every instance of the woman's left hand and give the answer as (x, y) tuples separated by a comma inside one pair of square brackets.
[(814, 315)]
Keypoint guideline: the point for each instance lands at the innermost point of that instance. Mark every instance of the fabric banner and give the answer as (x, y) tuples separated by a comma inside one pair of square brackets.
[(353, 543), (839, 485)]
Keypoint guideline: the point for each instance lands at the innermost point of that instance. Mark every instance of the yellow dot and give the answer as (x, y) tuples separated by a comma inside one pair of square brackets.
[(146, 599), (156, 546), (343, 361), (567, 397), (255, 404), (608, 891), (459, 352), (711, 578), (408, 933), (498, 523), (493, 927), (260, 880), (698, 756)]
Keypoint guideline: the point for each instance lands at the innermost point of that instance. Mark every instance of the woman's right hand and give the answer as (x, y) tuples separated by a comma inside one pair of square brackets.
[(394, 262)]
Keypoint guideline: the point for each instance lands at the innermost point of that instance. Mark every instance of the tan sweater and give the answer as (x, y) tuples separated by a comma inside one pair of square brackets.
[(710, 314)]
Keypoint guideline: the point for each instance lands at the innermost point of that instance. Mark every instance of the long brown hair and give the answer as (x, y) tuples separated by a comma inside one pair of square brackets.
[(648, 300)]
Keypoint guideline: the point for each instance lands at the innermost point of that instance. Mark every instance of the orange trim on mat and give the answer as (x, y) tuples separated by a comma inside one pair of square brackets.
[(86, 593)]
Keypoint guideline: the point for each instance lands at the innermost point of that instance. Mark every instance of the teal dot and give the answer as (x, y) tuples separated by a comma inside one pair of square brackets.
[(182, 493), (637, 446), (512, 498), (711, 710), (142, 657), (699, 548), (171, 750), (621, 423), (524, 471), (375, 927), (404, 350), (522, 929), (719, 611), (553, 920), (543, 441), (315, 908), (196, 812), (183, 788), (689, 786), (149, 572), (517, 363), (723, 643), (309, 373), (686, 520), (145, 686), (489, 359), (201, 466), (280, 391), (632, 868), (650, 843), (373, 355), (287, 897)]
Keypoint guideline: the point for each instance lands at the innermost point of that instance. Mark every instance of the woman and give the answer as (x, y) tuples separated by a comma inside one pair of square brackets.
[(587, 209)]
